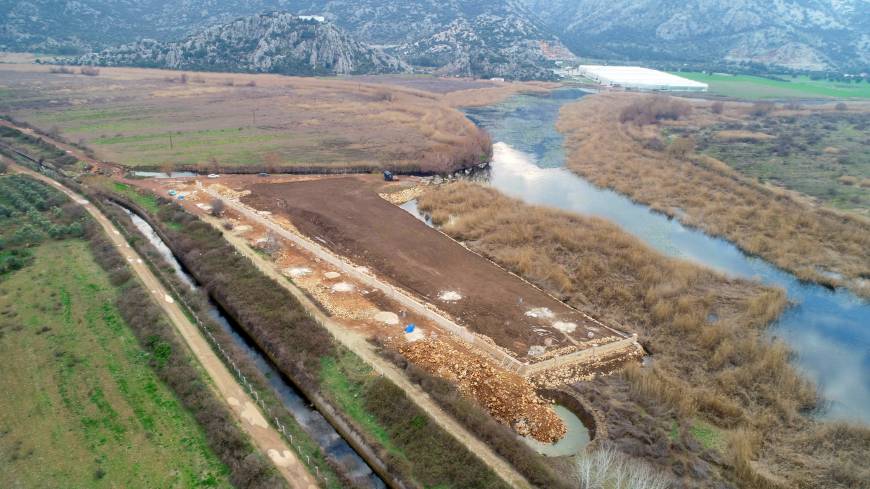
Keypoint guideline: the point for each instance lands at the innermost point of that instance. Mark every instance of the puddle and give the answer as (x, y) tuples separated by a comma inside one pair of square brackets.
[(574, 441)]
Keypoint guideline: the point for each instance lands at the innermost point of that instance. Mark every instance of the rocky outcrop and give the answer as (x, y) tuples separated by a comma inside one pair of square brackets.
[(267, 43)]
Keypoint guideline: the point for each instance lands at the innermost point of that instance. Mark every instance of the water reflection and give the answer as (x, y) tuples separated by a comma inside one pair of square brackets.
[(829, 330)]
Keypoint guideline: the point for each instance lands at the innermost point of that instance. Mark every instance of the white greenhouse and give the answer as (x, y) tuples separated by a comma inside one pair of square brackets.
[(637, 78)]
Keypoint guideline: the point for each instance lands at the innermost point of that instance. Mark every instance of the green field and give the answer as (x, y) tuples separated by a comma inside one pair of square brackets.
[(823, 155), (754, 87), (81, 406)]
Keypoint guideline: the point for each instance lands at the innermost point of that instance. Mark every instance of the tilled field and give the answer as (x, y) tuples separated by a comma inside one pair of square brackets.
[(346, 215)]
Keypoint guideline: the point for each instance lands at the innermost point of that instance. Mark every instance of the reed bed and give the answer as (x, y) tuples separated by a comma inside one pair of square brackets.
[(711, 357), (620, 141)]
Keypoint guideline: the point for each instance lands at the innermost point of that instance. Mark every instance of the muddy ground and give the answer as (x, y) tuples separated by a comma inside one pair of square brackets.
[(346, 215)]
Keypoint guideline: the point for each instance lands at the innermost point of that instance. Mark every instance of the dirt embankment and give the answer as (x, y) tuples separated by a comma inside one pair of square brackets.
[(613, 140), (348, 216)]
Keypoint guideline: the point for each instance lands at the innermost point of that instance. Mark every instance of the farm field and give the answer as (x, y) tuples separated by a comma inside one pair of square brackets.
[(95, 413), (152, 119), (756, 87)]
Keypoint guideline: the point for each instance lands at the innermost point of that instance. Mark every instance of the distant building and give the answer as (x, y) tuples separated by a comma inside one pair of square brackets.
[(318, 18), (637, 78)]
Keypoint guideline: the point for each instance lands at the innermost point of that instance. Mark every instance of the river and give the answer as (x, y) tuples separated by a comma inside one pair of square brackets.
[(828, 330), (314, 424)]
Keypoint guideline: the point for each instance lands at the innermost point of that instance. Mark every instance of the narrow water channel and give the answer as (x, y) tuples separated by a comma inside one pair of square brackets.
[(317, 427), (828, 330)]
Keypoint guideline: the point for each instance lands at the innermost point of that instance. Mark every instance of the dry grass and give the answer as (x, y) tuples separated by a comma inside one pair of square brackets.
[(813, 243), (724, 370), (155, 119)]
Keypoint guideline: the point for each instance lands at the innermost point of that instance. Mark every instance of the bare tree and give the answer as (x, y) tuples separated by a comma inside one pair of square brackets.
[(841, 106), (718, 107)]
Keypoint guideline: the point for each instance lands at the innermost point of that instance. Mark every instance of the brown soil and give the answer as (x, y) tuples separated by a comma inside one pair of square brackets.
[(347, 216)]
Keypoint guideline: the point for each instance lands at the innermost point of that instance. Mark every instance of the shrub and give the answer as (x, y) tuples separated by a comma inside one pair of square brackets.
[(89, 71), (718, 107), (761, 109), (651, 109), (217, 207), (841, 106)]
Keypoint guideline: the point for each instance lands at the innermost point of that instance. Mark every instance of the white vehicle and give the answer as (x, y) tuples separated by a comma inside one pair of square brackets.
[(213, 175)]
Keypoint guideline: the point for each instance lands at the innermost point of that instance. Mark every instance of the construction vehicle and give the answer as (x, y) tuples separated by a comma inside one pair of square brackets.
[(389, 176)]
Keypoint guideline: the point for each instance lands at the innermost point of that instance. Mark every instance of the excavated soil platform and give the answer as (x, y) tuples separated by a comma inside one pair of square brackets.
[(347, 216)]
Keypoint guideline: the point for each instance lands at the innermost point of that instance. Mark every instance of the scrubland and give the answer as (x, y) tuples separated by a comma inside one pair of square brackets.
[(641, 146), (159, 120), (720, 400)]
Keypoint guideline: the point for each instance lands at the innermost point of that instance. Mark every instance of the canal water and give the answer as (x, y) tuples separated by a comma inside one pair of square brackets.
[(828, 330), (314, 424)]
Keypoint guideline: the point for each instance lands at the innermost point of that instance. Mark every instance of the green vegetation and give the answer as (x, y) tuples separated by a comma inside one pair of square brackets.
[(346, 384), (821, 154), (756, 87), (81, 406), (146, 201), (708, 435), (31, 213)]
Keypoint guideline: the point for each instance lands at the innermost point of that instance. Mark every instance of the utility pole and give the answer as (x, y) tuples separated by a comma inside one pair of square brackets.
[(170, 140), (254, 117)]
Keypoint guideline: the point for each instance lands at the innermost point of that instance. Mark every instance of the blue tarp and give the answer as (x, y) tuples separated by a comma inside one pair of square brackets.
[(410, 328)]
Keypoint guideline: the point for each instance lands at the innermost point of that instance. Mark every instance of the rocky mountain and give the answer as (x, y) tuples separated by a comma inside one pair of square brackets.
[(508, 38), (265, 43), (78, 26), (797, 34), (476, 37)]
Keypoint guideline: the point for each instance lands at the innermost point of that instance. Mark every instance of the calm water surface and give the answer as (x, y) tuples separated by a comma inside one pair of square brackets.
[(828, 330)]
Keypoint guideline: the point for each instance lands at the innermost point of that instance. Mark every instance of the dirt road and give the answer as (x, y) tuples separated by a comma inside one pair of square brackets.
[(359, 345), (243, 407)]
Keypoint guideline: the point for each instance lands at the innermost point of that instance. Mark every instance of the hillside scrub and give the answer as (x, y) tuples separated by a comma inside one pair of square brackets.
[(812, 242), (417, 452), (711, 357)]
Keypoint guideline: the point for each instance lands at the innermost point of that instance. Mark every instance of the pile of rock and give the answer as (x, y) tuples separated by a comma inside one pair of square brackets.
[(509, 398)]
